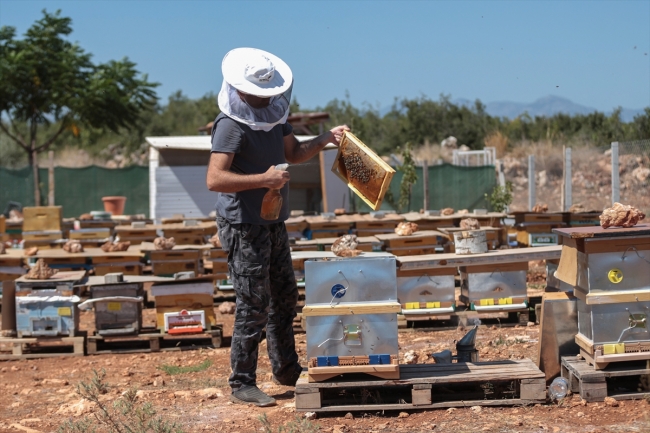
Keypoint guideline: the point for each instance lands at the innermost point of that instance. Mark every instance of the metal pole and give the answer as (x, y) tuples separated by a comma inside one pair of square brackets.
[(50, 179), (568, 199), (616, 186), (425, 182), (531, 182)]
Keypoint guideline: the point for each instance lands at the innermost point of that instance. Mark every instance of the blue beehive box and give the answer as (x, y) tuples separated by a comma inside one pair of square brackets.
[(48, 308), (47, 315)]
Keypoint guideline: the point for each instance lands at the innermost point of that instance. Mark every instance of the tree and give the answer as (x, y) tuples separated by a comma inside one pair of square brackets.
[(50, 88)]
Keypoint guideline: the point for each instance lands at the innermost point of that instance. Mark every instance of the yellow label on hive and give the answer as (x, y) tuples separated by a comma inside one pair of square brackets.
[(613, 348), (433, 304), (486, 302), (608, 349), (412, 305), (114, 306), (64, 311)]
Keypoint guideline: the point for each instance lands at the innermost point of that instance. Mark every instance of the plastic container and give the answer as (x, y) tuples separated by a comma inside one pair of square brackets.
[(558, 389), (272, 201)]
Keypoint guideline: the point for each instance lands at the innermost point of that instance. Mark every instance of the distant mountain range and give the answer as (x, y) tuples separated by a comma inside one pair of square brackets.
[(546, 106)]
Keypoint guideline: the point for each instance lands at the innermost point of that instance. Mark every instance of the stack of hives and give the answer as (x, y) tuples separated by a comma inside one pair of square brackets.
[(425, 293), (609, 270), (328, 226), (184, 305), (190, 232), (535, 229), (91, 237), (376, 223), (351, 316), (42, 227), (170, 262), (136, 233), (419, 242), (117, 305), (46, 304)]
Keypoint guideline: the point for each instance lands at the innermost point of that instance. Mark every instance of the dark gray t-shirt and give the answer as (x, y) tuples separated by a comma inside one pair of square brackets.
[(255, 152)]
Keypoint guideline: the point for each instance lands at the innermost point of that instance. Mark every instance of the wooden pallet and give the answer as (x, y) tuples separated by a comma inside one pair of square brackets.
[(152, 340), (43, 347), (428, 386), (593, 385)]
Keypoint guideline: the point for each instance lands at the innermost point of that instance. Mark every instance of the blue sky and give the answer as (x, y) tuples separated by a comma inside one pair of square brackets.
[(596, 53)]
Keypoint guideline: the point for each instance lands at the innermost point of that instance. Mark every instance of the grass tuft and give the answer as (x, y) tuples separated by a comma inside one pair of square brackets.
[(175, 369)]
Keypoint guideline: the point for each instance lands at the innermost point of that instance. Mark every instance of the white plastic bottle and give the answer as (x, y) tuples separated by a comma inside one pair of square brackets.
[(558, 389)]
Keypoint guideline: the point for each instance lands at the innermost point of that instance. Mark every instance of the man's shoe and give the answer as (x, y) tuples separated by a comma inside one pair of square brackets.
[(289, 382), (251, 394)]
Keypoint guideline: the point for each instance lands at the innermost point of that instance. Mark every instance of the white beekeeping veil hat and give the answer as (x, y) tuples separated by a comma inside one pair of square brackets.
[(259, 73)]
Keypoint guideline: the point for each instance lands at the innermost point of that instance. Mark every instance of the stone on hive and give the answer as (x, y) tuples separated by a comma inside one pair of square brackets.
[(40, 271), (2, 248), (620, 215), (406, 228), (73, 246), (576, 208), (469, 224), (540, 208), (31, 251), (346, 246), (447, 211), (110, 247), (164, 244)]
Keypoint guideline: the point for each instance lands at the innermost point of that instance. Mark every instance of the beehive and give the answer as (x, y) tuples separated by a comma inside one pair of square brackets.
[(362, 170), (609, 271)]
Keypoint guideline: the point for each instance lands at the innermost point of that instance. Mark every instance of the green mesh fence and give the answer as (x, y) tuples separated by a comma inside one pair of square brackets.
[(449, 186), (79, 190)]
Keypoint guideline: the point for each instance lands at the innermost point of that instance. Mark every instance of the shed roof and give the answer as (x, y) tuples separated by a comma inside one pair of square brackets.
[(199, 142)]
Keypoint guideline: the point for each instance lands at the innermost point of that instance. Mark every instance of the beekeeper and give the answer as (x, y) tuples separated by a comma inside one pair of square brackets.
[(249, 138)]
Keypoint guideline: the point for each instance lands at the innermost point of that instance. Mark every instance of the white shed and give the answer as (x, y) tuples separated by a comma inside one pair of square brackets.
[(178, 166)]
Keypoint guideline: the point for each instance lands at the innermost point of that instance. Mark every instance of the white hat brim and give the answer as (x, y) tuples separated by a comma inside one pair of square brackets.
[(233, 67)]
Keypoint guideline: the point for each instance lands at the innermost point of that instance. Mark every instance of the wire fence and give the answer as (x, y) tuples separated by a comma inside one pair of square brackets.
[(634, 174), (592, 181)]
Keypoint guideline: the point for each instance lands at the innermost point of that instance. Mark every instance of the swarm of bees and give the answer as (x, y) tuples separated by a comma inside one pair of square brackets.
[(356, 169)]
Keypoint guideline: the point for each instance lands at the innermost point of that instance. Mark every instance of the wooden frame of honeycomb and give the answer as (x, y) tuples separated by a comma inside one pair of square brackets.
[(362, 170)]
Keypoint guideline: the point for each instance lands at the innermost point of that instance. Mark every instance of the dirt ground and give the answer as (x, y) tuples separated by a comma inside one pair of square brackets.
[(39, 395)]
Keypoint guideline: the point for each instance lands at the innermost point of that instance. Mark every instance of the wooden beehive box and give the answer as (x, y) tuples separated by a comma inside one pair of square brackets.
[(42, 218), (362, 170)]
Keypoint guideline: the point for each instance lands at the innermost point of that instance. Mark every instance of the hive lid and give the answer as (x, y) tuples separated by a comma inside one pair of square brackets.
[(599, 232), (371, 177)]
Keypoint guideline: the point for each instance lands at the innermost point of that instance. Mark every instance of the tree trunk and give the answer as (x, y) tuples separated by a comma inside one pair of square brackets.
[(37, 190)]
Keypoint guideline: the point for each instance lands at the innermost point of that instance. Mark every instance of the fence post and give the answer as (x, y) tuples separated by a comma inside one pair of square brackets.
[(50, 179), (568, 199), (616, 187), (531, 182), (425, 181)]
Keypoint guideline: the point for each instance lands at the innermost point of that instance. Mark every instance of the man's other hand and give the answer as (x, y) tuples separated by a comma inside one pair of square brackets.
[(337, 133)]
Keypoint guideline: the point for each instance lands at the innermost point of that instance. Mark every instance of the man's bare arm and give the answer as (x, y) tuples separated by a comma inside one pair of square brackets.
[(296, 152), (221, 179)]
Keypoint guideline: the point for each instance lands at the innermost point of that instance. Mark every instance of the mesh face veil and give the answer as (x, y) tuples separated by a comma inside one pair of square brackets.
[(258, 119)]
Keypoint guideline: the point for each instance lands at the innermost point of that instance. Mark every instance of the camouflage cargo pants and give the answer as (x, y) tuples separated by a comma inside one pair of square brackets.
[(259, 259)]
